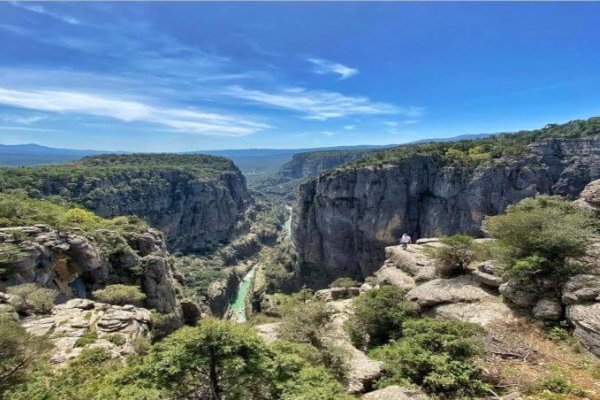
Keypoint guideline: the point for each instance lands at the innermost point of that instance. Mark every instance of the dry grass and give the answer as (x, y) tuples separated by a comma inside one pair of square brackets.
[(521, 357)]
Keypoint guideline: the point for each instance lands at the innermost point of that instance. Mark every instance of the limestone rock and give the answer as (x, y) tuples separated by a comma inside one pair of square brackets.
[(581, 288), (484, 313), (269, 332), (548, 309), (517, 295), (114, 328), (586, 319), (487, 279), (395, 392), (462, 289), (389, 275), (337, 293)]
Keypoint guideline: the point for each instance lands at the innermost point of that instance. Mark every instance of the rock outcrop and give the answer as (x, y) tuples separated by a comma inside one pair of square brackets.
[(79, 324), (311, 163), (195, 200), (75, 263), (395, 392), (345, 218)]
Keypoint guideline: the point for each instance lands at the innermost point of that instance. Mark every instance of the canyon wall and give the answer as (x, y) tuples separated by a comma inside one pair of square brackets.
[(345, 218)]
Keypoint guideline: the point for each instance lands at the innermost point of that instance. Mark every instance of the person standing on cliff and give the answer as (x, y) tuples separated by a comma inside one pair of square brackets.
[(405, 240)]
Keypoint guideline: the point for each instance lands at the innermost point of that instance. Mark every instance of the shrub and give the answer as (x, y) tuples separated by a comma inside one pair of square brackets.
[(561, 385), (314, 383), (120, 295), (436, 354), (305, 323), (378, 316), (344, 282), (30, 297), (453, 258), (18, 352), (87, 338), (117, 340), (537, 236)]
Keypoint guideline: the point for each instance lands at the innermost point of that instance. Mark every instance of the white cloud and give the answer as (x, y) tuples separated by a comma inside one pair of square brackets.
[(23, 119), (328, 133), (38, 9), (183, 120), (410, 121), (349, 127), (392, 124), (417, 112), (319, 105), (323, 67)]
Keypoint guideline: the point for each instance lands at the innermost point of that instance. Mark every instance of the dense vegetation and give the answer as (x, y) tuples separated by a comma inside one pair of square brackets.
[(539, 239), (16, 209), (471, 153), (214, 360)]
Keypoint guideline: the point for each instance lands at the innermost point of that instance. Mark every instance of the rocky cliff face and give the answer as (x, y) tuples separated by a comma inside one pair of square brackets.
[(309, 164), (344, 219), (195, 200), (75, 263)]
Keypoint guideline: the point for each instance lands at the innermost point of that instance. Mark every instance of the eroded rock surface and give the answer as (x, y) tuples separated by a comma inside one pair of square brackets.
[(395, 392), (81, 323)]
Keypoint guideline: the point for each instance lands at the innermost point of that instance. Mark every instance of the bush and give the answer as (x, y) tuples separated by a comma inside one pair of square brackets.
[(19, 351), (453, 258), (30, 297), (437, 355), (561, 385), (305, 323), (378, 316), (344, 282), (537, 236), (120, 295), (88, 337), (314, 383)]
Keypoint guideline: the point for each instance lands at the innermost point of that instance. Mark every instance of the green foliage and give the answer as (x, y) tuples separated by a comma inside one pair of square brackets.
[(209, 360), (485, 151), (19, 351), (378, 316), (32, 298), (305, 323), (561, 385), (88, 337), (453, 258), (120, 295), (17, 209), (437, 355), (537, 237), (344, 282), (117, 340), (314, 383), (280, 264)]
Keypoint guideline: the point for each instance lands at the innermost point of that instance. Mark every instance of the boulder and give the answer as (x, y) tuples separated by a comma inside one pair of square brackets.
[(395, 392), (484, 313), (585, 318), (414, 261), (581, 288), (487, 279), (548, 309), (389, 275), (113, 328), (427, 240), (518, 295), (489, 267), (337, 293), (462, 289)]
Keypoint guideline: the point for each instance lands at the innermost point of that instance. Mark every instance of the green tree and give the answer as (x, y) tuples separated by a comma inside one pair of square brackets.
[(437, 355), (210, 360), (120, 295), (538, 236), (19, 352), (453, 258), (30, 297), (378, 316)]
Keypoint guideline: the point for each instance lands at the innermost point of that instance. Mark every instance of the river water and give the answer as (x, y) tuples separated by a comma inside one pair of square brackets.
[(238, 306)]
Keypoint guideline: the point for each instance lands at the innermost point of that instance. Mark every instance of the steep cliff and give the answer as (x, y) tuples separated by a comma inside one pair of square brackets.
[(196, 200), (345, 218), (308, 164)]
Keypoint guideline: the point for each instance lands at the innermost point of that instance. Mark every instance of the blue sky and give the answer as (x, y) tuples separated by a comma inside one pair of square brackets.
[(188, 76)]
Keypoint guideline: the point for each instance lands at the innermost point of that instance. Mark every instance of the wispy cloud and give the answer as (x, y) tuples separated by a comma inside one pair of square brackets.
[(328, 133), (323, 67), (38, 9), (23, 119), (182, 120), (418, 112), (320, 105), (349, 127)]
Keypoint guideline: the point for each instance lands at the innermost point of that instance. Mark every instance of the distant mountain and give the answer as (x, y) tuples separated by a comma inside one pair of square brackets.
[(456, 138), (33, 154)]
